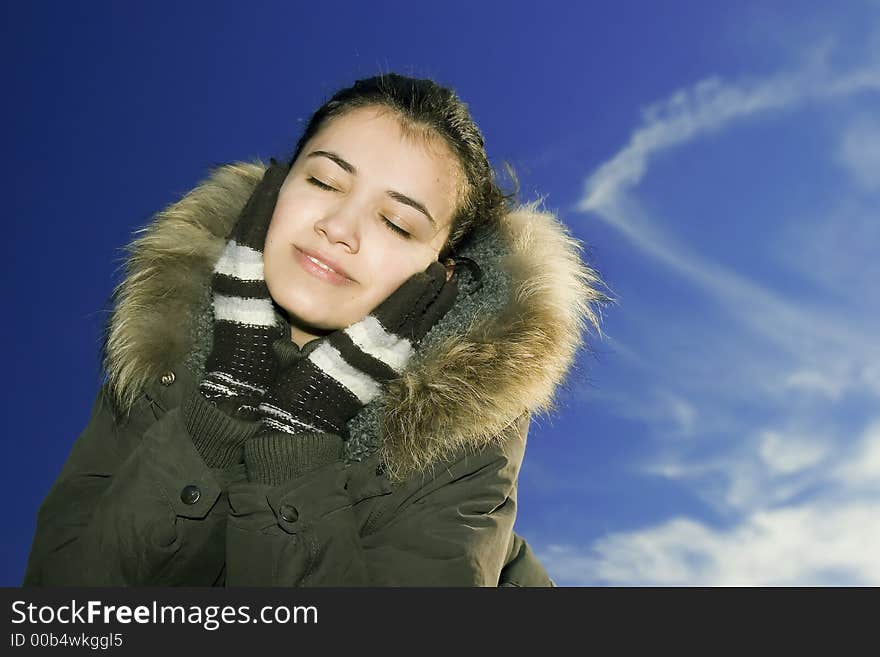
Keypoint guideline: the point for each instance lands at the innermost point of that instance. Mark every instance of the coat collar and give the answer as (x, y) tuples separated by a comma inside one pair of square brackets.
[(502, 351)]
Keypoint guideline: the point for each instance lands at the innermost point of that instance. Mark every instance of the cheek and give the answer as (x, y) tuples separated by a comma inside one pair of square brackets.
[(271, 236), (274, 252), (394, 271), (283, 220)]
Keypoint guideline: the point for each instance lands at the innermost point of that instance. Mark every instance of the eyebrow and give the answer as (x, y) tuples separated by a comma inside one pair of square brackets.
[(397, 196)]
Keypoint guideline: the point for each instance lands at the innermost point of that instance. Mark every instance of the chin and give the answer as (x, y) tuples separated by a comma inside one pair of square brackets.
[(312, 322), (309, 311)]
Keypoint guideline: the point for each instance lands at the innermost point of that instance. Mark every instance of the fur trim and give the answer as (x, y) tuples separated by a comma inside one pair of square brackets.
[(165, 272), (470, 388), (461, 390)]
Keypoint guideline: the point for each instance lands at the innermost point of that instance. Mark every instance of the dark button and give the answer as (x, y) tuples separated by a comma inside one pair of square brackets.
[(168, 378), (190, 494), (242, 411), (288, 513)]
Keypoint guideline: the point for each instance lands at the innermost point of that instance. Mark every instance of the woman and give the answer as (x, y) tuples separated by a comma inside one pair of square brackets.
[(322, 372)]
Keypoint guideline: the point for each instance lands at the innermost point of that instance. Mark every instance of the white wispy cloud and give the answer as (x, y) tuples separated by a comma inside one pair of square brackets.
[(832, 539), (689, 114), (794, 486), (709, 106), (786, 454), (859, 151), (756, 470), (861, 472), (799, 545), (809, 335)]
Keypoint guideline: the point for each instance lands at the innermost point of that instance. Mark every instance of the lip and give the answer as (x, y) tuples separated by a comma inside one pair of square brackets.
[(336, 277)]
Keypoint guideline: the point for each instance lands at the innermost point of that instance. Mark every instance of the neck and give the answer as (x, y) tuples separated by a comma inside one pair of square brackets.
[(302, 336)]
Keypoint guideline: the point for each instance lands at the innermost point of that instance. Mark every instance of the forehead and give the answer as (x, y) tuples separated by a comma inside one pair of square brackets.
[(371, 124), (374, 142)]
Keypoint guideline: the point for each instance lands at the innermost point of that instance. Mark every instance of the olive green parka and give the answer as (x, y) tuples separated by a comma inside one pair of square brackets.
[(425, 493)]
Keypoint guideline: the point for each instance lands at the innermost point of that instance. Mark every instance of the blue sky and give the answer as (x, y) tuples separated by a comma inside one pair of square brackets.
[(721, 165)]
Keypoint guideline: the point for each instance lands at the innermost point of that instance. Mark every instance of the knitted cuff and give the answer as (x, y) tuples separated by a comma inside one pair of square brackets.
[(218, 437), (305, 397), (274, 457)]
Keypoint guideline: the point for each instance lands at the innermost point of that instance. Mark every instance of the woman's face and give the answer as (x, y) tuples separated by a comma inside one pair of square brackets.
[(356, 187)]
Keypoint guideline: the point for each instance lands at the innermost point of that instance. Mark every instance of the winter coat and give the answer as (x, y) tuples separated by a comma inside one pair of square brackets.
[(425, 494)]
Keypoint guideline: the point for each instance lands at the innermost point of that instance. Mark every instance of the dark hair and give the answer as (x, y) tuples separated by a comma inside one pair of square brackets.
[(427, 110)]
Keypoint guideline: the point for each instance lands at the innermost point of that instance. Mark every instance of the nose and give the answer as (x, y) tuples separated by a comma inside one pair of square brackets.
[(341, 225)]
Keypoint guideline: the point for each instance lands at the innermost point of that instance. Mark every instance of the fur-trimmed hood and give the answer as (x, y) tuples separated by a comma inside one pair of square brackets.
[(501, 351)]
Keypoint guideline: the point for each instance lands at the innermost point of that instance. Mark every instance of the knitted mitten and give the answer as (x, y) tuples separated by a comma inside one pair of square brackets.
[(306, 409), (240, 365)]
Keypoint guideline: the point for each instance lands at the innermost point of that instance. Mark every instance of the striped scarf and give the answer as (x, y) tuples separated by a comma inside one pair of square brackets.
[(241, 364), (322, 387)]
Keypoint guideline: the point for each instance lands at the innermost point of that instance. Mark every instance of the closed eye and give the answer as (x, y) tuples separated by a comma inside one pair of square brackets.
[(397, 229), (394, 227), (318, 183)]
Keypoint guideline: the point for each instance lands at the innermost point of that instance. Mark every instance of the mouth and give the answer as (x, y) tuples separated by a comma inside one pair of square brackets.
[(321, 270)]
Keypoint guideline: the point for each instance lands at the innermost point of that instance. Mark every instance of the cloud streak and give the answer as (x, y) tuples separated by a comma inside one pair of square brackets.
[(829, 540), (708, 107), (794, 487), (806, 545)]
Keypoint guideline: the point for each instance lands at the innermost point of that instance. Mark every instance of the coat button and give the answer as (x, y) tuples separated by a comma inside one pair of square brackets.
[(190, 494), (288, 513), (168, 378)]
